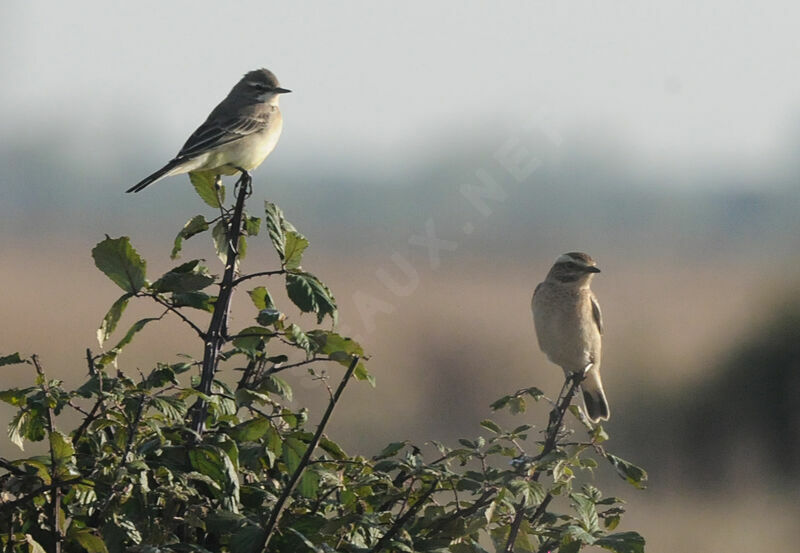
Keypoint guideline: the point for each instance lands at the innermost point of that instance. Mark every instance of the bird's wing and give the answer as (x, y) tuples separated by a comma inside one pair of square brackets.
[(215, 133), (597, 315)]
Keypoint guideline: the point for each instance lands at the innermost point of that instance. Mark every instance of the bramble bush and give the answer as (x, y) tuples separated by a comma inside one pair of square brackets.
[(180, 460)]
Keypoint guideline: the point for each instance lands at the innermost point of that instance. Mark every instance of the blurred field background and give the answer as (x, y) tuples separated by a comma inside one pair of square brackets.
[(662, 141)]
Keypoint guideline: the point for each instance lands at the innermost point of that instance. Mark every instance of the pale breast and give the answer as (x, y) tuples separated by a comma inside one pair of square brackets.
[(565, 327)]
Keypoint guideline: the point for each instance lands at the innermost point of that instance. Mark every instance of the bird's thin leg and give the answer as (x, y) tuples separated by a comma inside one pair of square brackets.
[(246, 179), (218, 191)]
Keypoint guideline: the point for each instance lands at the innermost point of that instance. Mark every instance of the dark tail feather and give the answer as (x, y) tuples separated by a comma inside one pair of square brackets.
[(594, 398), (596, 405), (158, 175)]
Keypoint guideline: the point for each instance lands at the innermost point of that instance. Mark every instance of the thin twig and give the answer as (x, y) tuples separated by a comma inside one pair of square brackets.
[(401, 521), (281, 368), (277, 510), (6, 505), (486, 497), (132, 427), (13, 469), (173, 309), (259, 274), (88, 419)]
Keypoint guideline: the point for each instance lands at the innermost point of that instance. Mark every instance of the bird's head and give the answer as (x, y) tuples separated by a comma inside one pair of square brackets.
[(259, 86), (574, 269)]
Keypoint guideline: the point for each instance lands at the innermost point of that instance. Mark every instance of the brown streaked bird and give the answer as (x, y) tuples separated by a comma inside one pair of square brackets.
[(237, 136), (569, 326)]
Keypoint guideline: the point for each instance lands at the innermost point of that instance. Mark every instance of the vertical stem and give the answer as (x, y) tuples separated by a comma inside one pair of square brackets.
[(55, 493), (556, 419), (275, 514), (218, 328)]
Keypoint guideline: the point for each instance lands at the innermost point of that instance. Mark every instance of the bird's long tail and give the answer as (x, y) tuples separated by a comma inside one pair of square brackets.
[(594, 398), (158, 175)]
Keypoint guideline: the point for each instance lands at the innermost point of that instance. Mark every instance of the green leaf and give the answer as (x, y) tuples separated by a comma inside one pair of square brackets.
[(136, 327), (27, 424), (217, 465), (195, 225), (160, 376), (188, 277), (361, 373), (250, 431), (251, 339), (332, 448), (12, 359), (491, 426), (309, 294), (293, 452), (611, 521), (308, 543), (112, 318), (15, 396), (111, 356), (252, 225), (587, 512), (535, 393), (623, 542), (298, 337), (276, 385), (391, 450), (247, 539), (530, 492), (242, 251), (196, 300), (267, 317), (174, 409), (517, 405), (336, 346), (276, 226), (309, 484), (61, 448), (121, 263), (634, 475), (219, 235), (295, 245), (570, 547), (205, 185), (261, 298), (245, 397), (87, 540)]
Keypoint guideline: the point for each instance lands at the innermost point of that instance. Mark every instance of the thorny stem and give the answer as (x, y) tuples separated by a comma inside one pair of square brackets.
[(218, 327)]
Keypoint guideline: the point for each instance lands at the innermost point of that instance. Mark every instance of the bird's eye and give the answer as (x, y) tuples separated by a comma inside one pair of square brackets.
[(571, 265)]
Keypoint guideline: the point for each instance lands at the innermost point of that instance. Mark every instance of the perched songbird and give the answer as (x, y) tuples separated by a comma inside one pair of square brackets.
[(238, 135), (568, 326)]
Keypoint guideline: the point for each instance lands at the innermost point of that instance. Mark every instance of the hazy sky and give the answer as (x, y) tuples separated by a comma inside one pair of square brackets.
[(679, 80)]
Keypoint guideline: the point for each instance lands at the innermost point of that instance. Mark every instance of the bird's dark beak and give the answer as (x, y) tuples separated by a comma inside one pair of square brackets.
[(592, 270), (279, 90)]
